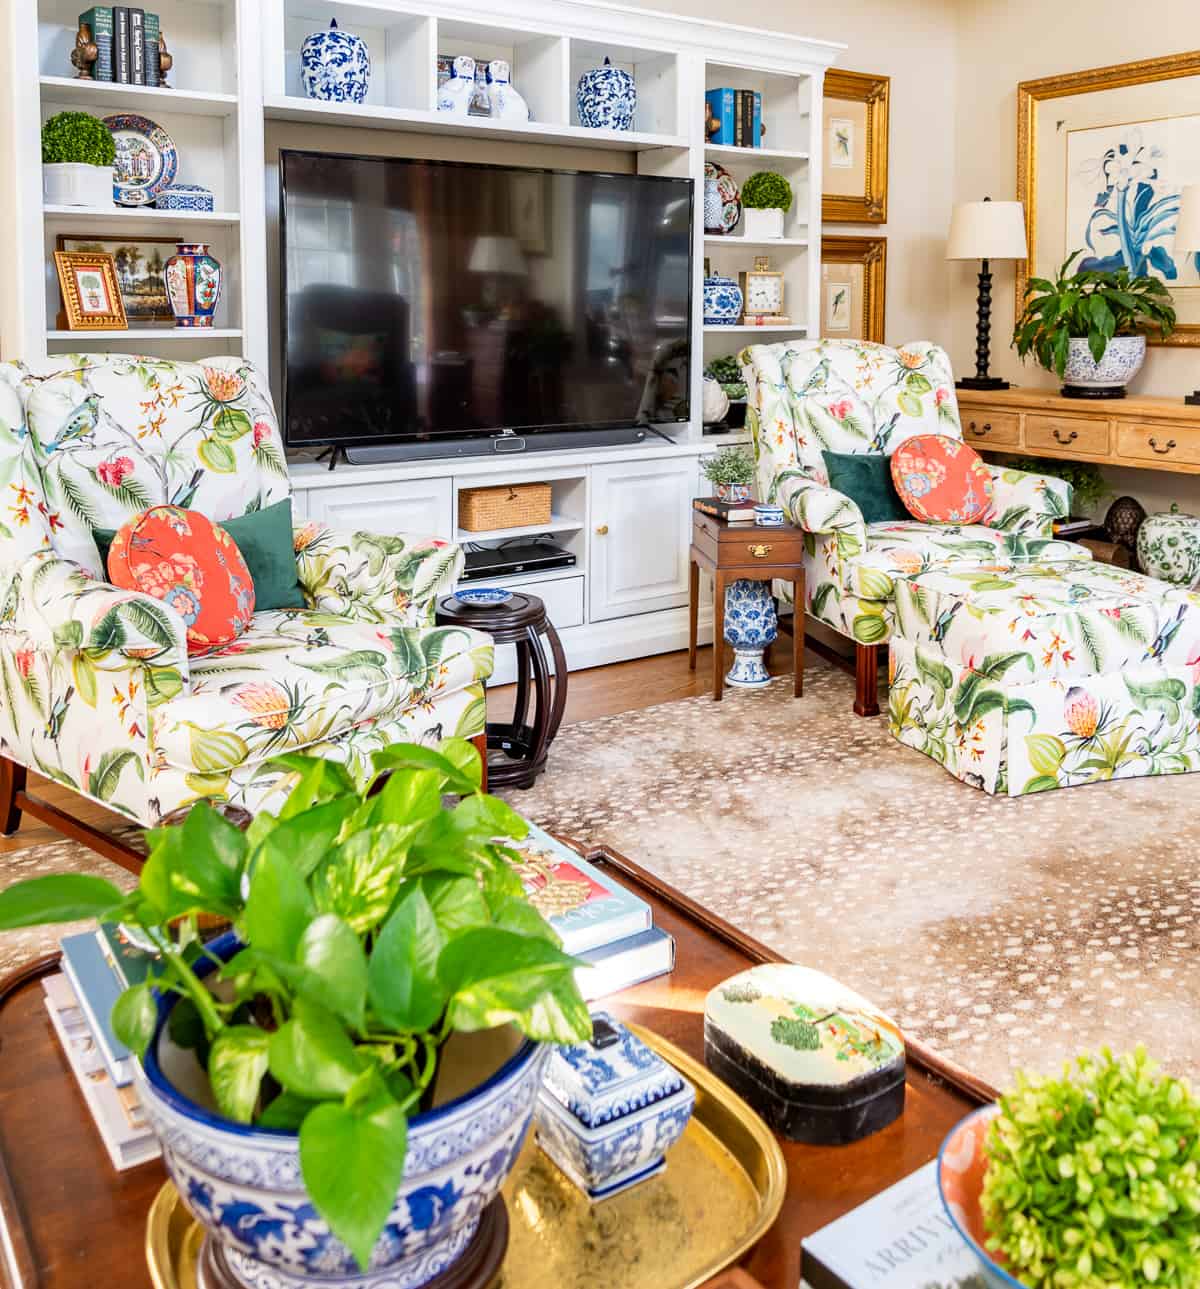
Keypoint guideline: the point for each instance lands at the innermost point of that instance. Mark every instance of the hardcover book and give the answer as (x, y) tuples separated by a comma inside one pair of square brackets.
[(121, 66), (626, 963), (97, 987), (130, 963), (137, 46), (585, 906), (729, 511), (721, 104), (99, 19), (152, 30), (899, 1239)]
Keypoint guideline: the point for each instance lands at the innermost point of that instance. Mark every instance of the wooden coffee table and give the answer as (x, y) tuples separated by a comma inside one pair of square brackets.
[(73, 1223)]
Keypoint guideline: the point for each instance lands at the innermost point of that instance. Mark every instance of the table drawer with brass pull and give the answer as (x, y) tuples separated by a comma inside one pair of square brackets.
[(1002, 429), (1087, 437), (1145, 441)]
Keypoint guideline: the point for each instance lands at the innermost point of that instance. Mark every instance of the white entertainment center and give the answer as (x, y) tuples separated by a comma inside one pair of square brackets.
[(624, 512)]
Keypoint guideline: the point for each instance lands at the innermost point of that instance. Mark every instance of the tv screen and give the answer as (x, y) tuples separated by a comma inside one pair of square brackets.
[(437, 300)]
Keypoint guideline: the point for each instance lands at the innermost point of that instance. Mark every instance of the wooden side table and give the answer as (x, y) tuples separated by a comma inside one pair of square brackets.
[(731, 551)]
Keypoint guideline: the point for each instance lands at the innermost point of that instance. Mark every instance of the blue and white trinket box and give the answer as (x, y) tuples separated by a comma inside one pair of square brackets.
[(184, 197), (608, 1110)]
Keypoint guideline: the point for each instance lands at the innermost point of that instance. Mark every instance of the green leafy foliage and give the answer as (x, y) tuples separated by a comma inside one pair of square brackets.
[(766, 190), (376, 920), (730, 465), (727, 372), (1093, 1179), (77, 136), (1092, 305)]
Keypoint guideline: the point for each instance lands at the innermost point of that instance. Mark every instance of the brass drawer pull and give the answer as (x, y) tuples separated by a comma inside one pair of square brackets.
[(1069, 439), (1162, 452), (759, 551), (980, 431), (602, 531)]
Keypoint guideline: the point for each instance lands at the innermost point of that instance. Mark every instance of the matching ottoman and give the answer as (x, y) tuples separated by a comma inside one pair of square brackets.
[(1046, 675)]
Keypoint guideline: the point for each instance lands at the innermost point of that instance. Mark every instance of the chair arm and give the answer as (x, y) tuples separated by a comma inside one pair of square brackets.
[(373, 577), (818, 508), (1027, 503)]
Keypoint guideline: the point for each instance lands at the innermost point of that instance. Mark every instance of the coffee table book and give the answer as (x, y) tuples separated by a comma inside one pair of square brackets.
[(97, 988), (730, 512)]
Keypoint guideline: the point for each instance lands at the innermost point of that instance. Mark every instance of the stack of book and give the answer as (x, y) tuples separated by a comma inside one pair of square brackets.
[(728, 512), (735, 117), (79, 1000), (610, 928), (126, 42)]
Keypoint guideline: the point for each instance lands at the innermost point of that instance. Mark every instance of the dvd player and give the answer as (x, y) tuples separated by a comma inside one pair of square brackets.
[(507, 561)]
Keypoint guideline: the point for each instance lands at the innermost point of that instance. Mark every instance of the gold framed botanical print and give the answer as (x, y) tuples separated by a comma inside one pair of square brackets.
[(853, 287), (1101, 158), (90, 292), (854, 169)]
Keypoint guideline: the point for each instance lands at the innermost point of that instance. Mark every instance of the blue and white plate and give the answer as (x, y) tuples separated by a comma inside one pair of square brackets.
[(483, 597), (146, 159)]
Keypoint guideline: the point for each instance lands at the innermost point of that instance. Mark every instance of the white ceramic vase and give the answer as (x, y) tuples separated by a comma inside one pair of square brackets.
[(74, 183)]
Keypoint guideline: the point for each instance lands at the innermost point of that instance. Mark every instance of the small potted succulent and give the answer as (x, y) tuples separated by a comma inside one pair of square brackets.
[(732, 471), (727, 372), (1089, 327), (766, 198), (290, 1068), (77, 161)]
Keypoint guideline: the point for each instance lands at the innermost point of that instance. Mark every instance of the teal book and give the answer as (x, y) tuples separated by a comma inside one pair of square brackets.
[(100, 19), (97, 988), (151, 30), (721, 102), (130, 963)]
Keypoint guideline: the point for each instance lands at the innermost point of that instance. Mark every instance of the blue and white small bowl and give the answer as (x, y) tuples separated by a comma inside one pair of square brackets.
[(335, 65), (184, 197), (768, 516), (483, 597), (610, 1109)]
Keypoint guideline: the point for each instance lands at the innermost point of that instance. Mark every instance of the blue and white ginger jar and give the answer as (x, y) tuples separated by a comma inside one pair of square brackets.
[(607, 98), (506, 103), (722, 302), (750, 625), (335, 66), (455, 94)]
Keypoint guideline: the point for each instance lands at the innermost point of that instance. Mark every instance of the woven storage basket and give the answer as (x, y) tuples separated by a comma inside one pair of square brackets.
[(512, 505)]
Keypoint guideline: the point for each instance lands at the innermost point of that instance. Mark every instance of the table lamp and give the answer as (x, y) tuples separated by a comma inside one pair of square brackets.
[(1187, 240), (985, 230)]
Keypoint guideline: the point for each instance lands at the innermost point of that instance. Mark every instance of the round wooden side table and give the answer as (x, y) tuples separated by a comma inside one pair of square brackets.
[(519, 745)]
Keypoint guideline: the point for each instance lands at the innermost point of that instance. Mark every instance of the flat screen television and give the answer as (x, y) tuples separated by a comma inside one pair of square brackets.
[(441, 308)]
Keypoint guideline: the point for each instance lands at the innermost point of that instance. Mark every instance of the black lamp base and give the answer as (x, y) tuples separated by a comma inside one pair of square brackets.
[(981, 382), (1193, 399)]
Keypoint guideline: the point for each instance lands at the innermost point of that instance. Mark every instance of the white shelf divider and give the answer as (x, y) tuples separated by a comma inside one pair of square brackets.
[(795, 329), (113, 97), (158, 334), (557, 524), (139, 214), (719, 150)]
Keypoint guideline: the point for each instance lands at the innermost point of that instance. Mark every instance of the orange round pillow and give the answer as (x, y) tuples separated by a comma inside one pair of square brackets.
[(182, 558), (941, 480)]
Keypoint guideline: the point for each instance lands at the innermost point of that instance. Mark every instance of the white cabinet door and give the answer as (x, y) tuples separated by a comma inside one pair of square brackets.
[(418, 506), (641, 531)]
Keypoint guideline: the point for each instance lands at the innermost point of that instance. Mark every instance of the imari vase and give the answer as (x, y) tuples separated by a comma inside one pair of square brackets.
[(193, 280)]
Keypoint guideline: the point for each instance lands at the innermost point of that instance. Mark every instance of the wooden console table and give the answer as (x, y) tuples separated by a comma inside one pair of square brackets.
[(1148, 433)]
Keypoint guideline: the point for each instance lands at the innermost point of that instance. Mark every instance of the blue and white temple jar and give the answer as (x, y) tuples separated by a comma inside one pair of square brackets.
[(335, 65), (607, 98), (456, 94), (750, 625), (722, 302), (506, 103)]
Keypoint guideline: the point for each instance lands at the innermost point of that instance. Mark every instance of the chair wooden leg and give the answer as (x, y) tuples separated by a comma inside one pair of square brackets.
[(480, 741), (12, 781), (866, 688)]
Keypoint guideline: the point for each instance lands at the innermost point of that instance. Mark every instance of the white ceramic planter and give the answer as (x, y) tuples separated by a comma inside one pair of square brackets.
[(1121, 362), (72, 183), (762, 224)]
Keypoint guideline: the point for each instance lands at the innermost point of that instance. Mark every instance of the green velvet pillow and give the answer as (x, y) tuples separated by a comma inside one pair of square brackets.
[(265, 539), (866, 478)]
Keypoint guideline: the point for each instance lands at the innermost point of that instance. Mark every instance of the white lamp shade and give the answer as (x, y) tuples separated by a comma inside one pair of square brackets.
[(492, 254), (1187, 226), (987, 230)]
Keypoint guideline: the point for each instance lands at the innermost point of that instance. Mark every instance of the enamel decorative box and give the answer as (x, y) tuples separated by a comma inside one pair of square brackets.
[(184, 197), (609, 1109), (816, 1060)]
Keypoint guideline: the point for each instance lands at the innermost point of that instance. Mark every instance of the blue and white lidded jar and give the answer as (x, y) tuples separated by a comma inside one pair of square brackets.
[(722, 302), (606, 98), (750, 625), (335, 65), (455, 95), (506, 103)]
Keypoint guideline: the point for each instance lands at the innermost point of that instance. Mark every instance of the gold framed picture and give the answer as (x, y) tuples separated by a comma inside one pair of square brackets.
[(90, 293), (1101, 158), (853, 287), (141, 268), (854, 167)]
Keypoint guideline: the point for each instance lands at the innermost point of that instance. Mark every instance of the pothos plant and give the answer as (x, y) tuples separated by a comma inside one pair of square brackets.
[(375, 922)]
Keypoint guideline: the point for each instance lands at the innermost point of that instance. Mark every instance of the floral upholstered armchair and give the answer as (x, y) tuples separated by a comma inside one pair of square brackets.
[(97, 690), (852, 396)]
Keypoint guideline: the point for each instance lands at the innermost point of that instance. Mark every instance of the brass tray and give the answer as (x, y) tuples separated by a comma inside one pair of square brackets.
[(722, 1189)]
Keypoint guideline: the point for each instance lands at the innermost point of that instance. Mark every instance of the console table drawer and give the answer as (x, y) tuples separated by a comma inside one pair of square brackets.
[(1074, 432), (1002, 429), (1164, 444)]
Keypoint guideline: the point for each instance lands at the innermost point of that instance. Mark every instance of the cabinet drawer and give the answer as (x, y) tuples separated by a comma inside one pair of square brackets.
[(1075, 433), (1162, 444), (563, 599), (1003, 429)]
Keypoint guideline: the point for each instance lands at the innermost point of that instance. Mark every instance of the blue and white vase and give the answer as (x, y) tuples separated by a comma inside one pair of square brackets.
[(335, 65), (506, 103), (722, 302), (750, 625), (714, 207), (456, 94), (607, 98)]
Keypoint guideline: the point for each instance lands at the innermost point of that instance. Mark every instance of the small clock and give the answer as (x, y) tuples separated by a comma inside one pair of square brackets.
[(762, 288)]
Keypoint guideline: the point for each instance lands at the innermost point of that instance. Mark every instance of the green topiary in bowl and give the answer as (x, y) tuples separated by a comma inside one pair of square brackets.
[(766, 190), (77, 137)]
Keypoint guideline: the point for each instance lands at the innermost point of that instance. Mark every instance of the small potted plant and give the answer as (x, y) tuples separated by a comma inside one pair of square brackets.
[(1089, 327), (766, 198), (732, 471), (77, 161), (376, 933), (727, 372)]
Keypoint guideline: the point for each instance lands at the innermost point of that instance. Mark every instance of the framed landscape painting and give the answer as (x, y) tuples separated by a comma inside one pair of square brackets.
[(1101, 158), (853, 287), (854, 169), (139, 262)]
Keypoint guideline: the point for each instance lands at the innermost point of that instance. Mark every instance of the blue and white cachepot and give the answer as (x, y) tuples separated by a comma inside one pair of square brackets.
[(244, 1186), (455, 94), (335, 65), (750, 625), (722, 302), (1168, 547), (606, 98), (1121, 361), (506, 103)]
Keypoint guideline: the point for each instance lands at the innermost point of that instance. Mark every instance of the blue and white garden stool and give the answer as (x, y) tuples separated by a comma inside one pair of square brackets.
[(751, 624)]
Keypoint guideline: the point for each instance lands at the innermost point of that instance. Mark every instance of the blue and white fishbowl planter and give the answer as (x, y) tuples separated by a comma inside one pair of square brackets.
[(606, 98), (335, 66), (751, 624), (722, 302)]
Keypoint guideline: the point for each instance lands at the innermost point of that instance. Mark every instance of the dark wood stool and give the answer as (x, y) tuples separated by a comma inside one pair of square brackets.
[(521, 745)]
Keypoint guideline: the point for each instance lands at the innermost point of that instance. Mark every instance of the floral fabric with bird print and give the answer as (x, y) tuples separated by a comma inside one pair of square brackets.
[(804, 397), (97, 690), (1022, 678)]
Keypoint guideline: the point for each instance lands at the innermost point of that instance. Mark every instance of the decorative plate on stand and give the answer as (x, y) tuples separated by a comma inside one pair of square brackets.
[(483, 597), (730, 199), (146, 159)]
